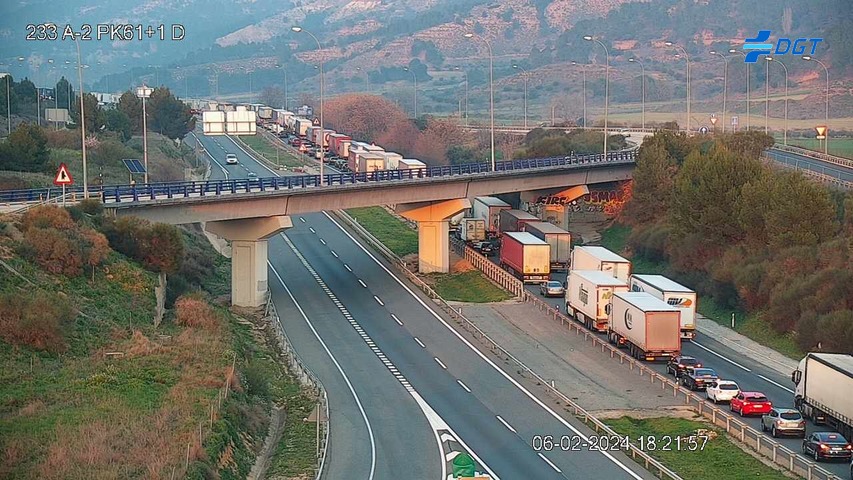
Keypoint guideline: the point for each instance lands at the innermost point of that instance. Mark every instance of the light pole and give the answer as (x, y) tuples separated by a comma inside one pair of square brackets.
[(82, 117), (366, 78), (144, 92), (725, 82), (466, 93), (686, 57), (526, 77), (55, 97), (491, 95), (583, 68), (785, 131), (643, 67), (284, 71), (766, 96), (826, 119), (298, 29), (738, 52), (8, 78), (590, 38), (415, 96)]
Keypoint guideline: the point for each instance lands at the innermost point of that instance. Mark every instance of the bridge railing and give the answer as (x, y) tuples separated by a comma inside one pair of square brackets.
[(185, 189), (844, 162)]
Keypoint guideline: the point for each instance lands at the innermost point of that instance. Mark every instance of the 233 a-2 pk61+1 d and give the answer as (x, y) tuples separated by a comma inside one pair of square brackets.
[(609, 443)]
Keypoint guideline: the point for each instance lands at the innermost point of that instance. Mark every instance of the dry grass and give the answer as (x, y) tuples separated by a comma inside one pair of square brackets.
[(140, 345), (194, 312), (34, 320)]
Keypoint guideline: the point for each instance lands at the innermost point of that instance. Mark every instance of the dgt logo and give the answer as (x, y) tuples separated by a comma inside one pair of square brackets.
[(783, 46)]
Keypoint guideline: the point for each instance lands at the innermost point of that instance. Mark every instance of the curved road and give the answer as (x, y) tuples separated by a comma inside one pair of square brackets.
[(403, 359)]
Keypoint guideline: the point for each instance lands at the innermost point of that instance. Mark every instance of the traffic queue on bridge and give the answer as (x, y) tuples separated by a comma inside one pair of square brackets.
[(650, 316)]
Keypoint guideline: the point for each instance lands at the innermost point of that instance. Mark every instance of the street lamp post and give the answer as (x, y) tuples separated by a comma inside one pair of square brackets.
[(491, 96), (8, 77), (466, 94), (643, 67), (590, 38), (826, 119), (298, 29), (738, 52), (144, 92), (284, 70), (526, 77), (785, 131), (415, 95), (686, 57), (82, 118), (725, 83), (583, 68), (767, 96)]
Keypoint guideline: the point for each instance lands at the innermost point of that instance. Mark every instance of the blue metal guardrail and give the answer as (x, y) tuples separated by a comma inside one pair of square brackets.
[(135, 193)]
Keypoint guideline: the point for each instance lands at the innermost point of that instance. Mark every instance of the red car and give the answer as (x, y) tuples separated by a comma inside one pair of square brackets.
[(751, 403)]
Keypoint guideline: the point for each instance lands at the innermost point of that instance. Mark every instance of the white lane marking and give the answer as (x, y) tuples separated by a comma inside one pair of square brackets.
[(378, 300), (224, 171), (506, 424), (543, 457), (322, 241), (439, 362), (347, 267), (334, 254), (774, 383), (338, 366), (301, 219), (420, 342), (463, 386), (428, 412), (703, 347), (362, 283), (480, 354), (397, 320), (312, 229)]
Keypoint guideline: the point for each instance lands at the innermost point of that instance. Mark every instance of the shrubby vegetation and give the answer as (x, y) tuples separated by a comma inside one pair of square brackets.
[(747, 234)]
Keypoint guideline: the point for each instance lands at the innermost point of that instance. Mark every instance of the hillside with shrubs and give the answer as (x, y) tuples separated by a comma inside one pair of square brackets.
[(749, 237), (91, 387)]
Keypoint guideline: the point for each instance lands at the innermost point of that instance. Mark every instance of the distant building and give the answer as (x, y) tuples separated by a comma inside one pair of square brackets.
[(305, 111)]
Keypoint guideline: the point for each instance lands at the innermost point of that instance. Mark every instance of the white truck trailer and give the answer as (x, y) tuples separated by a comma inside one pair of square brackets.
[(823, 390), (600, 258), (672, 293), (588, 296), (472, 230), (489, 209), (649, 327)]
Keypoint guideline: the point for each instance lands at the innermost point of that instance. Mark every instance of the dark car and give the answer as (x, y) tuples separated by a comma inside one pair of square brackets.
[(679, 363), (696, 378), (826, 445), (485, 248)]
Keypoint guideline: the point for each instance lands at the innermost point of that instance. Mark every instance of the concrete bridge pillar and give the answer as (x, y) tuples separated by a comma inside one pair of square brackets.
[(433, 231), (248, 239)]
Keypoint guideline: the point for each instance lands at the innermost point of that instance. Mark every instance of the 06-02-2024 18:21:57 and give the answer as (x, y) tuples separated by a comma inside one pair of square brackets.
[(602, 443)]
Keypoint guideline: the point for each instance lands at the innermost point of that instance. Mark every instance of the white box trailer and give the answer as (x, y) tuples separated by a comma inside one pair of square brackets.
[(370, 162), (588, 296), (302, 125), (823, 390), (600, 258), (392, 160), (472, 229), (410, 164), (559, 239), (489, 209), (672, 293), (649, 327)]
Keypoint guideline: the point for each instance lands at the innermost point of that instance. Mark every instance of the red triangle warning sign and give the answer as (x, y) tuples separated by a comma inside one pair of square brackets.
[(62, 176)]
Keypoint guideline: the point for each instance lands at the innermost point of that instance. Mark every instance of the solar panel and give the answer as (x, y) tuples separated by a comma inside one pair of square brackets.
[(133, 165)]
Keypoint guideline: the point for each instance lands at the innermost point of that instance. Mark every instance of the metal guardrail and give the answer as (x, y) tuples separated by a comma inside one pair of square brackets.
[(844, 162), (152, 191), (307, 378), (650, 463), (821, 177), (754, 439)]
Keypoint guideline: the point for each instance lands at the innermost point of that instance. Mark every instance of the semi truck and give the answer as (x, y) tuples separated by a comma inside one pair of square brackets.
[(526, 257), (410, 164), (514, 220), (472, 230), (647, 326), (600, 258), (559, 239), (489, 209), (392, 160), (823, 386), (338, 144), (672, 293), (588, 296), (370, 162), (301, 126)]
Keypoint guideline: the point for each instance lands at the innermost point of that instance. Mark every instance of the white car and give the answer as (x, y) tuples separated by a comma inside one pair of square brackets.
[(722, 391), (230, 159)]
